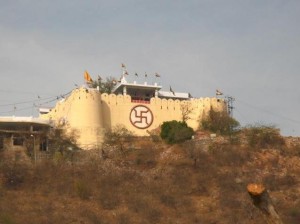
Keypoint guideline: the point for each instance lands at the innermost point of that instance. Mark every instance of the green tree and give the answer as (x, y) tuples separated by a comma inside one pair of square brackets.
[(176, 131), (220, 122), (105, 86)]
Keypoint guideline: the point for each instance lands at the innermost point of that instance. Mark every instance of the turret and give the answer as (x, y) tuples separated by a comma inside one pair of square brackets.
[(80, 114)]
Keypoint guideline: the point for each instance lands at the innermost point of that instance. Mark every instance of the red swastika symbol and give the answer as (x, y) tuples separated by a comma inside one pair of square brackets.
[(141, 117)]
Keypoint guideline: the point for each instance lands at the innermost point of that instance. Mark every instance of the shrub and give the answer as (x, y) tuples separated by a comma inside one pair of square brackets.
[(6, 219), (137, 203), (168, 200), (175, 131), (109, 191), (82, 190), (275, 183), (62, 141), (229, 156), (118, 136), (14, 175), (294, 214), (92, 216), (294, 150), (2, 191), (220, 122), (146, 157), (153, 215), (264, 136), (123, 218)]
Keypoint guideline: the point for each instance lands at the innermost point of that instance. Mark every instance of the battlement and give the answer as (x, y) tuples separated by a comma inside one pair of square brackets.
[(91, 113)]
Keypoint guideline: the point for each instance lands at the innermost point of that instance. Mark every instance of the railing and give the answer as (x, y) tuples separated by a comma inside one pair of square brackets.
[(140, 101)]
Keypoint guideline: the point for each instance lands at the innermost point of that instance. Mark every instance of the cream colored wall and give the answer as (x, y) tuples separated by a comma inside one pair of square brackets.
[(81, 114), (117, 111), (90, 113)]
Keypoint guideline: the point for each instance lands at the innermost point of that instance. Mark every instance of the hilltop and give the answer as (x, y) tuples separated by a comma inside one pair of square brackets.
[(147, 181)]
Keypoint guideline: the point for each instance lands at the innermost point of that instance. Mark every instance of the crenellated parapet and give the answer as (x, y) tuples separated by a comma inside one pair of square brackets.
[(117, 110), (80, 114), (90, 113)]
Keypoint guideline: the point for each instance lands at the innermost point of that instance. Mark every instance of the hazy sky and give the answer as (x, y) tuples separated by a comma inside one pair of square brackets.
[(249, 49)]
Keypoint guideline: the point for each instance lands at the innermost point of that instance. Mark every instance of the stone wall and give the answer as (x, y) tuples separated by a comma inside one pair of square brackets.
[(90, 113)]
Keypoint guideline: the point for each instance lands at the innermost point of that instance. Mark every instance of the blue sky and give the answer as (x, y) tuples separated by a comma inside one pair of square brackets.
[(249, 49)]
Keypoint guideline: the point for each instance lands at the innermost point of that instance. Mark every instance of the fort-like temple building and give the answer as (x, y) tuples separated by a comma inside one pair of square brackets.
[(88, 112), (140, 108)]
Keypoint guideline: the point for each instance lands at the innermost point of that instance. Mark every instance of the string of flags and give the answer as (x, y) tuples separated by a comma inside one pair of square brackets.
[(88, 79), (146, 75), (34, 103), (125, 72)]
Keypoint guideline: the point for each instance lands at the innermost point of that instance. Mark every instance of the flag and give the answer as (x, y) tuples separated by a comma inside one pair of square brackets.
[(123, 65), (218, 92), (136, 74), (87, 77), (171, 90), (157, 75)]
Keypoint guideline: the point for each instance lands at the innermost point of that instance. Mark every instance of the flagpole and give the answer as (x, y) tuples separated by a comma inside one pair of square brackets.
[(157, 76), (123, 68)]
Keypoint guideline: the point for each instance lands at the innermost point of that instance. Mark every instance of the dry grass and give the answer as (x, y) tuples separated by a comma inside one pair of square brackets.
[(138, 186)]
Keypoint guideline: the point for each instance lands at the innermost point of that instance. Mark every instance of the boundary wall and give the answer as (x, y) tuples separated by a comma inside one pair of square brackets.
[(89, 113)]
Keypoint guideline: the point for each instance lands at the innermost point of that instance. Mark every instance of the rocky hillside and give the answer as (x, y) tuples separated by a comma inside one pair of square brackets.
[(146, 181)]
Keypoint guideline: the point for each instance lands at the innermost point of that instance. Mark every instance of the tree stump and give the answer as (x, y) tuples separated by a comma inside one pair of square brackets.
[(263, 202)]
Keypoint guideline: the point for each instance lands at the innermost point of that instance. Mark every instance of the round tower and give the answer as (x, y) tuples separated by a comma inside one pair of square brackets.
[(84, 117)]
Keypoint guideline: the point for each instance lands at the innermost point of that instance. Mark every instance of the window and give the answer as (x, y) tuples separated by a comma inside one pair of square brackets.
[(44, 145), (18, 141), (37, 128)]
